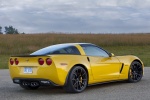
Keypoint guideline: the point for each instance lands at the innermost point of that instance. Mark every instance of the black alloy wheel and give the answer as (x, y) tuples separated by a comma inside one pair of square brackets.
[(135, 72), (77, 80)]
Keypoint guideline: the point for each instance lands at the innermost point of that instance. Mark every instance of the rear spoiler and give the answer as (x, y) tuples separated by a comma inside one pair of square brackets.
[(29, 55)]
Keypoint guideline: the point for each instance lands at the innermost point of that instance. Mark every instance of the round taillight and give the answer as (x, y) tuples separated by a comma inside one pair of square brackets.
[(41, 61), (16, 61), (11, 61), (48, 61)]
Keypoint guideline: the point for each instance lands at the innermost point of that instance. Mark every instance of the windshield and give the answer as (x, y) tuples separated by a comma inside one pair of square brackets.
[(57, 49)]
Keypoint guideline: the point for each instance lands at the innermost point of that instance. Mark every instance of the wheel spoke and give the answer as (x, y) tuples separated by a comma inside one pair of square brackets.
[(133, 76), (75, 83), (139, 75), (136, 77), (73, 79), (132, 73), (83, 74), (80, 85), (75, 74)]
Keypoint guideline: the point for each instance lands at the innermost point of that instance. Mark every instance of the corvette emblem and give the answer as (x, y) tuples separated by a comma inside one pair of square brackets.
[(27, 60), (63, 64)]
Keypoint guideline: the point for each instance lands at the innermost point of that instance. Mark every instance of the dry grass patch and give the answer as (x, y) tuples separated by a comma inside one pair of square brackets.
[(139, 44)]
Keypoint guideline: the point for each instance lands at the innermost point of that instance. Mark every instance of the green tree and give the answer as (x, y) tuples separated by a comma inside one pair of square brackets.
[(11, 30), (1, 30), (23, 33)]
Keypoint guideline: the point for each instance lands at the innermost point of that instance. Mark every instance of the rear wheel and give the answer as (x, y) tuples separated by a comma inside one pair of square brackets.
[(135, 72), (77, 80)]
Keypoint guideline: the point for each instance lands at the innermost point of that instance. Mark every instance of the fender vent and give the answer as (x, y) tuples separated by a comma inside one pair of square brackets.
[(88, 59), (122, 67)]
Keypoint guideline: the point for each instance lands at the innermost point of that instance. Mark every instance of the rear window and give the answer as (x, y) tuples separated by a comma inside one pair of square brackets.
[(57, 49)]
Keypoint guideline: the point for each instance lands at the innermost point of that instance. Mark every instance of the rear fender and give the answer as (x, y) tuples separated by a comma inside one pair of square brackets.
[(65, 63)]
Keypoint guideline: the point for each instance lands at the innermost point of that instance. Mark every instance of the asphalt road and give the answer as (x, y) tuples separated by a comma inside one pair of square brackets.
[(109, 91)]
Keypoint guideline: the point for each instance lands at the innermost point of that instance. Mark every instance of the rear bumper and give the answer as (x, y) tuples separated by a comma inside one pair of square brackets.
[(49, 73), (41, 82)]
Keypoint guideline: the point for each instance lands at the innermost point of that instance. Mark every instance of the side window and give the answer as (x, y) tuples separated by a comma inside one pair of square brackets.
[(91, 50), (67, 50)]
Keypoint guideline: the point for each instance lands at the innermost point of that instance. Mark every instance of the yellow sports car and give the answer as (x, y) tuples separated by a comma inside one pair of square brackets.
[(73, 66)]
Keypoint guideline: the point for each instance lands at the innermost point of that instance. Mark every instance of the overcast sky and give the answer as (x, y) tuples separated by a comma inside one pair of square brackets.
[(96, 16)]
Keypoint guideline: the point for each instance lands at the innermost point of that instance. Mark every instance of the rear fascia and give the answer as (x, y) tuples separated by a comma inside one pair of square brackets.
[(47, 72)]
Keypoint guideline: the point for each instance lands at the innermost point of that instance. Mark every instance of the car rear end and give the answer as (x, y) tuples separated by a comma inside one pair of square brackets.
[(33, 70)]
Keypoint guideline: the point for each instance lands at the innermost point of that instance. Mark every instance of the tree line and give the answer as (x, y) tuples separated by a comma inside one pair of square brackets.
[(9, 30)]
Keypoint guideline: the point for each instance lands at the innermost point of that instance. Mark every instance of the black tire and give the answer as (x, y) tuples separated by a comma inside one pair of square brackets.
[(135, 72), (77, 80), (28, 87)]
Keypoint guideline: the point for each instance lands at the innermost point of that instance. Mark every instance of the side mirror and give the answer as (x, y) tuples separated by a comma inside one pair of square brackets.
[(112, 55)]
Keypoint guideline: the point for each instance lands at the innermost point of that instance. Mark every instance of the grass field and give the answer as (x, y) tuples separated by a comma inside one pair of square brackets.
[(119, 44)]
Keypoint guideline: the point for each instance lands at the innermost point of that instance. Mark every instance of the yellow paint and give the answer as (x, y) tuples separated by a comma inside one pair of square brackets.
[(105, 68), (99, 69)]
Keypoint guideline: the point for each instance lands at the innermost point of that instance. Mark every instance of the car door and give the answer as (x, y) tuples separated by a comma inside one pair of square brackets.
[(103, 66)]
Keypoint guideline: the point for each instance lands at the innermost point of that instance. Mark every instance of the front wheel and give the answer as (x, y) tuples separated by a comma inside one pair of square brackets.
[(77, 80), (135, 72)]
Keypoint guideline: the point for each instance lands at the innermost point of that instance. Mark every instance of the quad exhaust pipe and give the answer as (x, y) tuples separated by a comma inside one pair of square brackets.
[(33, 84), (25, 83)]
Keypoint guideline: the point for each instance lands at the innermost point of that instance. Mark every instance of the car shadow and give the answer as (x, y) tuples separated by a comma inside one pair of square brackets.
[(51, 90), (106, 85)]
